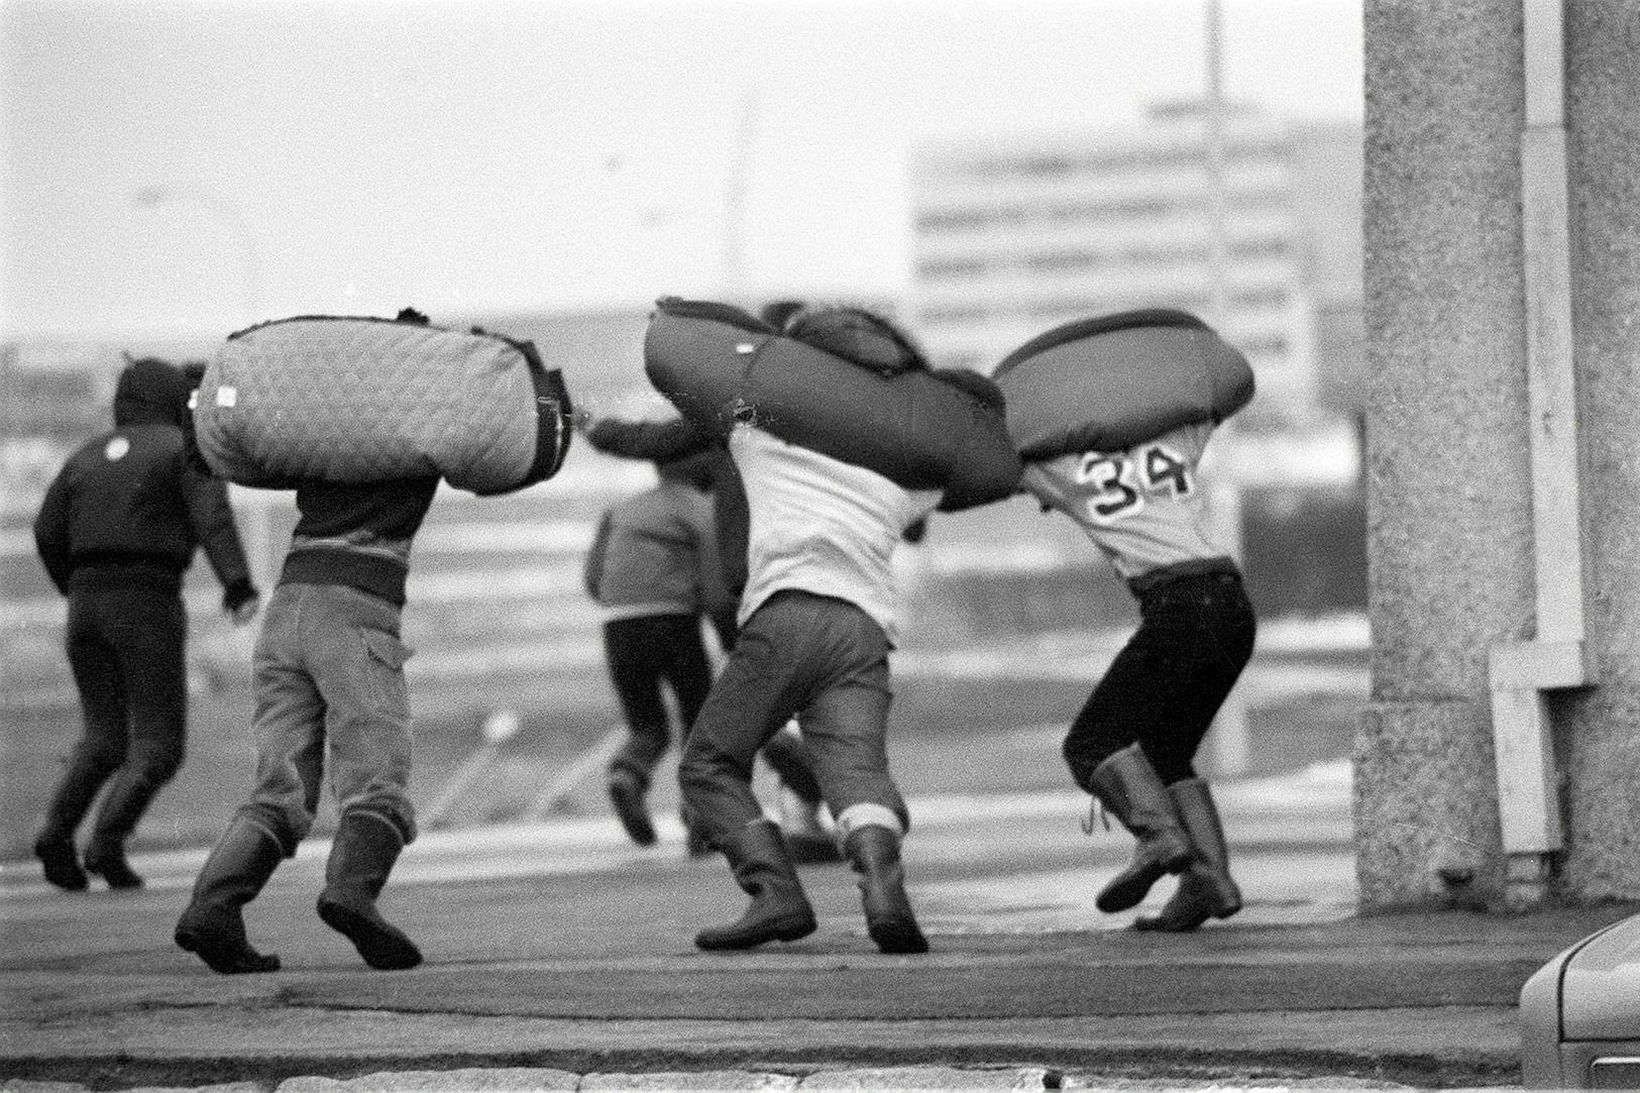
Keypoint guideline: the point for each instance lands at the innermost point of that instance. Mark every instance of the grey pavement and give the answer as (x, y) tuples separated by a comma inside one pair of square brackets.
[(560, 958)]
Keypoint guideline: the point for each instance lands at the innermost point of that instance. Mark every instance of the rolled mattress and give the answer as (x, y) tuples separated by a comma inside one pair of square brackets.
[(720, 367), (1108, 383), (350, 399)]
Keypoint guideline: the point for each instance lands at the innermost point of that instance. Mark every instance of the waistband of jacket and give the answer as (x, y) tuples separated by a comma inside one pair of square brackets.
[(372, 573)]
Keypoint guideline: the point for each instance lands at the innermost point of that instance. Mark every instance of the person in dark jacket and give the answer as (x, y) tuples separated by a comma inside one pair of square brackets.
[(331, 702), (648, 568), (116, 530)]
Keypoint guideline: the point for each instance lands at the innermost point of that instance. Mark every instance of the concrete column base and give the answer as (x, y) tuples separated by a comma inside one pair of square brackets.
[(1426, 814)]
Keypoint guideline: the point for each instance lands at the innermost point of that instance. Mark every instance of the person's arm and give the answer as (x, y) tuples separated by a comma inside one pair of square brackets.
[(657, 440), (51, 532), (212, 518), (592, 573)]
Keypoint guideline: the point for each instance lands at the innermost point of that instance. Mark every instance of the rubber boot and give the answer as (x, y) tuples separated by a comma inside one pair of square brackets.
[(361, 857), (105, 858), (874, 852), (806, 836), (212, 926), (763, 868), (1127, 786), (1206, 889), (60, 861), (626, 794)]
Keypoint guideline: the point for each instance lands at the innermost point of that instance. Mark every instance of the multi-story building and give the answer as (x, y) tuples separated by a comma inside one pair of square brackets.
[(1015, 235)]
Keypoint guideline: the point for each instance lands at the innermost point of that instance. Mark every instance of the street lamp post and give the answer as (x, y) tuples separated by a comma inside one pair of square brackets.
[(227, 213)]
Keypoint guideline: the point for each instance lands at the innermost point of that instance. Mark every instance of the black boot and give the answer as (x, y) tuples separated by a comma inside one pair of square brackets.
[(54, 846), (626, 794), (874, 852), (60, 861), (105, 858), (365, 848), (1206, 889), (763, 869), (128, 799), (212, 926), (1126, 785)]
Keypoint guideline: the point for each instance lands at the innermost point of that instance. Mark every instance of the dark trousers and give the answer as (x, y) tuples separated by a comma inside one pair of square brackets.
[(645, 653), (1166, 685), (125, 646)]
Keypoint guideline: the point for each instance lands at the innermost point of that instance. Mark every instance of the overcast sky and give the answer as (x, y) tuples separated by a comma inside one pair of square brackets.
[(169, 167)]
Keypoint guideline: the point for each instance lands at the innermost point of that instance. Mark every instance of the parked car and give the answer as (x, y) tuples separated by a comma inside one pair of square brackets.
[(1580, 1014)]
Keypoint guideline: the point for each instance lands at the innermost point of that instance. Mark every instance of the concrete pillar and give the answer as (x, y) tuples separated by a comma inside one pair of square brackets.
[(1453, 571)]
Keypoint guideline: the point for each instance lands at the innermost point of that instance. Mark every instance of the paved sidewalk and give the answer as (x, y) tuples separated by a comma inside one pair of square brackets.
[(559, 958)]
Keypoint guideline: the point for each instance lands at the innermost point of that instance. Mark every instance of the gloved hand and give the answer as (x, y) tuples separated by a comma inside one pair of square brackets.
[(241, 601)]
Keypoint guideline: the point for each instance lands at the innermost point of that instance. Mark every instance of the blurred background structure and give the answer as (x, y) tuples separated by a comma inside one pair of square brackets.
[(985, 170)]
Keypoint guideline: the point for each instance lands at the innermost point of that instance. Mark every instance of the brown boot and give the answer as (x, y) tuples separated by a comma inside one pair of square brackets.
[(1206, 889), (212, 926), (763, 868), (361, 857), (1127, 786), (874, 852)]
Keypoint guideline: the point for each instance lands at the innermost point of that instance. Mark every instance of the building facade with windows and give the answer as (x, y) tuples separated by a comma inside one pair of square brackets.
[(1015, 235)]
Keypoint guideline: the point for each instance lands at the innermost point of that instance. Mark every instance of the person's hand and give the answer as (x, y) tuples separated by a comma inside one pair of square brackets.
[(581, 419), (243, 612)]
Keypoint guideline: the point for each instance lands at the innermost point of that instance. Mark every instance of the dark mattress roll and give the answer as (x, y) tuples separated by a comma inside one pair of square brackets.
[(1111, 382), (720, 366), (359, 400)]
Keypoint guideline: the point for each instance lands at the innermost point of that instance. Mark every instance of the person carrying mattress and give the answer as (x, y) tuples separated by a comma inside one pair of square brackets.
[(1133, 743), (651, 567), (678, 438), (331, 704), (817, 624)]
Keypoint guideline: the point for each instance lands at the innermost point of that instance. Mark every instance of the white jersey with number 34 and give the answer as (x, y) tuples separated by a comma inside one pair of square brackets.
[(1143, 507)]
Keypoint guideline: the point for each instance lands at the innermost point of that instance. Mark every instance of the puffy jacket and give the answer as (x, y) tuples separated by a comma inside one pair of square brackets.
[(654, 552), (129, 507)]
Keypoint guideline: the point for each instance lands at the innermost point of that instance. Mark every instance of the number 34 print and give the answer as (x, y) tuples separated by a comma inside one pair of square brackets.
[(1118, 482)]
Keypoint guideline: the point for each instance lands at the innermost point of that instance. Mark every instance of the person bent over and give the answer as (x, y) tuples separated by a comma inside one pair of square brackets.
[(1133, 744), (331, 704), (817, 624)]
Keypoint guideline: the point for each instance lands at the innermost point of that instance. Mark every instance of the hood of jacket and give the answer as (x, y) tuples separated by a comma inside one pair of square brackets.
[(150, 391)]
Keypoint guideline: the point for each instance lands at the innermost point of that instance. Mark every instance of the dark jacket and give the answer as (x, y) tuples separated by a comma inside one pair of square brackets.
[(129, 507)]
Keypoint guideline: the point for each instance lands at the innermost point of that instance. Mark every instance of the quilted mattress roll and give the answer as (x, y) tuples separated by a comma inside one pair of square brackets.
[(1105, 384), (720, 365), (365, 400)]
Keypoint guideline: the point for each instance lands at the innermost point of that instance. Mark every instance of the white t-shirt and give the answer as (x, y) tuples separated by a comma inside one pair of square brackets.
[(821, 525)]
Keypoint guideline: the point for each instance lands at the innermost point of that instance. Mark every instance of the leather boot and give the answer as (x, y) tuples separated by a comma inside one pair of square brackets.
[(626, 794), (361, 857), (1206, 889), (212, 926), (105, 858), (874, 852), (60, 862), (1127, 785), (763, 868), (132, 791)]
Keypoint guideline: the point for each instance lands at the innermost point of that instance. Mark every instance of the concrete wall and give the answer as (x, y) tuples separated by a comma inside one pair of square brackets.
[(1449, 503)]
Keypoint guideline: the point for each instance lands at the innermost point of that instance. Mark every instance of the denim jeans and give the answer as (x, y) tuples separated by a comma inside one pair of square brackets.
[(823, 660)]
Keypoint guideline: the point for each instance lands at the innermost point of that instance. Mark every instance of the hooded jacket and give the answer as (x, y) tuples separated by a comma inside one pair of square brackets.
[(128, 507)]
